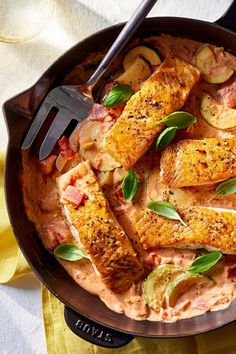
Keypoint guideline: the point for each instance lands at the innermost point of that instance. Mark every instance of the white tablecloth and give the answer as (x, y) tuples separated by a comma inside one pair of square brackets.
[(21, 328)]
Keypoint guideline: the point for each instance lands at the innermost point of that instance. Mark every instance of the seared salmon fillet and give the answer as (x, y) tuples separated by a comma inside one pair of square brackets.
[(163, 93), (95, 227), (198, 162), (206, 228)]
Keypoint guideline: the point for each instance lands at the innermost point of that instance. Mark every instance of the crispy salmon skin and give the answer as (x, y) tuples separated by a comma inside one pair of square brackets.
[(206, 228), (198, 162), (163, 93), (95, 227)]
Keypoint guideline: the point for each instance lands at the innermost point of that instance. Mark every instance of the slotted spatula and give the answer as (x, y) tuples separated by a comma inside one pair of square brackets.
[(74, 102)]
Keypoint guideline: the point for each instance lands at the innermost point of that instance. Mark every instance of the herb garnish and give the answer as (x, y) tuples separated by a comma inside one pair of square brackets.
[(70, 252), (205, 262), (165, 209), (129, 185), (227, 187), (174, 121), (118, 94), (179, 119), (165, 138)]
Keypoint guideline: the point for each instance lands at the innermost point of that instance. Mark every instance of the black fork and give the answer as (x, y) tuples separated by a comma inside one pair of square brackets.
[(75, 102)]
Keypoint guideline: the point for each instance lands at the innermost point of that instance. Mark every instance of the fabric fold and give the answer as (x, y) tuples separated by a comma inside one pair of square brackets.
[(12, 262)]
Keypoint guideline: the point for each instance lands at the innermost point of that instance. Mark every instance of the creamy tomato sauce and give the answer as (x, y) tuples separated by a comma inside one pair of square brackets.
[(44, 210)]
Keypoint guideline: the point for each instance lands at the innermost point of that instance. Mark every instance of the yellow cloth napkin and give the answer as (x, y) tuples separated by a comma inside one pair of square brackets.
[(59, 338)]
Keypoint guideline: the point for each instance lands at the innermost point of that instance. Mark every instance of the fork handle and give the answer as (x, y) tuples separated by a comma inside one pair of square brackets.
[(124, 36)]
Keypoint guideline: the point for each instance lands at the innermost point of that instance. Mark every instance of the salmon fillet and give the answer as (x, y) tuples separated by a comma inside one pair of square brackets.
[(163, 93), (96, 229), (198, 162), (206, 228)]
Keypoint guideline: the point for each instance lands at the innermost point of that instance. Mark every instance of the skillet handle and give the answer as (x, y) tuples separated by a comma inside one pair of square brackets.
[(95, 333), (228, 20)]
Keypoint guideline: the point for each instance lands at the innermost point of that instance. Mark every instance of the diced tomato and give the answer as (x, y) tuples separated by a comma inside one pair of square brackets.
[(65, 148), (72, 180), (119, 196), (46, 166), (73, 195), (116, 111), (227, 95), (98, 112), (54, 234)]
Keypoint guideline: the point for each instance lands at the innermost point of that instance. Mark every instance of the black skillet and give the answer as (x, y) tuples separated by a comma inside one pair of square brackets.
[(85, 314)]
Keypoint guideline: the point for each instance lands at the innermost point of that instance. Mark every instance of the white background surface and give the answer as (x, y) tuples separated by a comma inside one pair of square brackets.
[(21, 328)]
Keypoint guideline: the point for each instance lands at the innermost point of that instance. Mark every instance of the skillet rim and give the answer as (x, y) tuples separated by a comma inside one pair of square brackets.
[(114, 28)]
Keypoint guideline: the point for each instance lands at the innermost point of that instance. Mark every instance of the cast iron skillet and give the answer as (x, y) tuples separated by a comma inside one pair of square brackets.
[(85, 314)]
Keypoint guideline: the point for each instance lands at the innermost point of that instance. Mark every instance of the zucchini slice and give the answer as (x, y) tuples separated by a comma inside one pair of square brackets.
[(218, 116), (181, 284), (91, 146), (60, 162), (141, 52), (205, 61), (155, 285), (138, 72)]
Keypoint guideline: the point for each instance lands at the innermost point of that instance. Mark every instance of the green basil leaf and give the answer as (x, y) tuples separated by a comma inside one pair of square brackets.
[(70, 252), (179, 120), (205, 262), (119, 94), (165, 209), (129, 185), (227, 187), (165, 138)]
